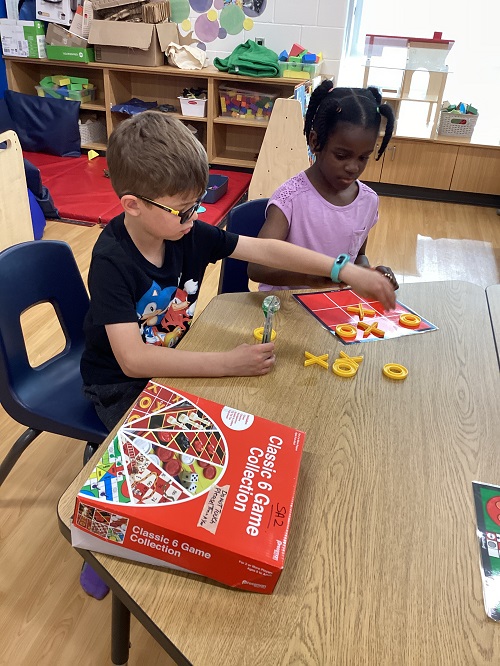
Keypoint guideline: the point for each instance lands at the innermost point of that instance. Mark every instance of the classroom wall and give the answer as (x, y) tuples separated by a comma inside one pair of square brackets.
[(318, 25)]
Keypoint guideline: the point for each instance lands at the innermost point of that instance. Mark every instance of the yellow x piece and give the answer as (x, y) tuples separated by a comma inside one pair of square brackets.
[(361, 311), (354, 360), (319, 360), (371, 328)]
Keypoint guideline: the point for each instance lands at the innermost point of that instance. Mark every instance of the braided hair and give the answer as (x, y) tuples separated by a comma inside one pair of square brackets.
[(358, 106)]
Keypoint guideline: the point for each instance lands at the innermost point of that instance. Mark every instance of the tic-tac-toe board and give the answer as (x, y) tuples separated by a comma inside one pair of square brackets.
[(330, 309)]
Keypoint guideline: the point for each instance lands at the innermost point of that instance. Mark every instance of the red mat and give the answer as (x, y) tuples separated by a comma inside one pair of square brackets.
[(82, 193)]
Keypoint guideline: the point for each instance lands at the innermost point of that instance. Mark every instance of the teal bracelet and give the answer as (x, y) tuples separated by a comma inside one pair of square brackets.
[(338, 265)]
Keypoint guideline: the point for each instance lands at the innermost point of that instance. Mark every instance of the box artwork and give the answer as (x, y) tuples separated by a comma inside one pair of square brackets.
[(193, 485)]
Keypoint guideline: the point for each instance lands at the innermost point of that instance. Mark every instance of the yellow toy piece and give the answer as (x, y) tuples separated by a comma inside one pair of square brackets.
[(258, 334), (92, 154), (409, 320), (346, 331), (344, 368), (395, 371), (353, 360), (371, 328), (311, 359), (361, 311)]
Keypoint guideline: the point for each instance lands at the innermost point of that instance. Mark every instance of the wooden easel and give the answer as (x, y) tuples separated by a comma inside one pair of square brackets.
[(284, 150), (15, 215)]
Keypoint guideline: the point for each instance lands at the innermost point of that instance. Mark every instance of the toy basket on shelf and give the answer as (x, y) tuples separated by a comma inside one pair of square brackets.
[(92, 130), (456, 124)]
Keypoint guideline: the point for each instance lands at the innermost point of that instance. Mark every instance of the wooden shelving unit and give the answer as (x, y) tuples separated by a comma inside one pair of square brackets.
[(228, 141)]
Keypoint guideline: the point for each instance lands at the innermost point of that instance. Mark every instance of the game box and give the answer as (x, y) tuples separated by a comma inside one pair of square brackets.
[(194, 485)]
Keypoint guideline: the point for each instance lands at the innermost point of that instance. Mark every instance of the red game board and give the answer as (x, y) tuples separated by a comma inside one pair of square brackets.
[(329, 308)]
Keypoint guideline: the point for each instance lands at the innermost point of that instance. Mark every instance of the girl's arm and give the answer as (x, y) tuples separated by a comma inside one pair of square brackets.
[(362, 259), (280, 254), (276, 226)]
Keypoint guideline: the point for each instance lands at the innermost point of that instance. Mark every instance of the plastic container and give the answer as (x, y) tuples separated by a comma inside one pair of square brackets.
[(246, 103), (299, 70), (193, 107), (216, 188), (456, 124)]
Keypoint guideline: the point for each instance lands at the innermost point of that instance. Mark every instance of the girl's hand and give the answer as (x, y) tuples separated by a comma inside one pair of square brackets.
[(250, 360), (369, 284), (387, 272)]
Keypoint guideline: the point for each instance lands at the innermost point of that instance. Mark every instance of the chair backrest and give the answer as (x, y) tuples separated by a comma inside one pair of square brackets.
[(15, 216), (246, 219), (32, 273)]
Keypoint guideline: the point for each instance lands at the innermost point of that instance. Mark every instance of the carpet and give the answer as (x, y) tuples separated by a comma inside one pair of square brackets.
[(82, 193)]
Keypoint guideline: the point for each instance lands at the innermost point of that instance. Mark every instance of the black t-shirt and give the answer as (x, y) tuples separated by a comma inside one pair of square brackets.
[(125, 287)]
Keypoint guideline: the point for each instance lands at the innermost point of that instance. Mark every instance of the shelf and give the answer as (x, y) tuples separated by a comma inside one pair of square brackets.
[(430, 99), (225, 158), (223, 120), (94, 146), (98, 105), (228, 141), (172, 114)]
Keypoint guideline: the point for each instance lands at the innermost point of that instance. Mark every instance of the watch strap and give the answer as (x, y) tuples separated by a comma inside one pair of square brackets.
[(338, 265)]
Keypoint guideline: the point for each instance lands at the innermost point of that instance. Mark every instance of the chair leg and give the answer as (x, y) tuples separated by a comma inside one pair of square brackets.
[(16, 451), (90, 449)]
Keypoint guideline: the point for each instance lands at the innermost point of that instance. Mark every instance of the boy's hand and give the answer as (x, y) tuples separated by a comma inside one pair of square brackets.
[(250, 360), (369, 284)]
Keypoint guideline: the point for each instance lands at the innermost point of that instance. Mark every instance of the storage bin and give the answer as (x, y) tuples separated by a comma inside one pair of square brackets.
[(254, 104), (299, 70), (456, 124), (191, 106), (92, 131), (216, 188)]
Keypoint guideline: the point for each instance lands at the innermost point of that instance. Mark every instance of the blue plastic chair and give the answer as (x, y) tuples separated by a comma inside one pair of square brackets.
[(49, 397), (246, 219)]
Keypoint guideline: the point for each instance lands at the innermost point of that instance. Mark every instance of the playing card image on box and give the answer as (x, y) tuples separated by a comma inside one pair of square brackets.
[(190, 484)]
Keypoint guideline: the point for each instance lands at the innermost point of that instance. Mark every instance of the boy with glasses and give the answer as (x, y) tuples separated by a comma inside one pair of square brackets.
[(148, 265)]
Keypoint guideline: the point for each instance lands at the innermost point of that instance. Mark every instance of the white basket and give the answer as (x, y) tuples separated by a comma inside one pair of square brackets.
[(193, 107), (93, 131), (456, 124)]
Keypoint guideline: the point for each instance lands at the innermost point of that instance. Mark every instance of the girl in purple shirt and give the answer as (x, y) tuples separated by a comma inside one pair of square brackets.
[(326, 208)]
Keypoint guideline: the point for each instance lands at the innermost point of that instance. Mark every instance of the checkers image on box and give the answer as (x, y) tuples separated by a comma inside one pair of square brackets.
[(194, 485)]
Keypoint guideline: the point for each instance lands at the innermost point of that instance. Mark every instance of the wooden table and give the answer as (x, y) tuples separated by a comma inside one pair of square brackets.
[(382, 564), (493, 297)]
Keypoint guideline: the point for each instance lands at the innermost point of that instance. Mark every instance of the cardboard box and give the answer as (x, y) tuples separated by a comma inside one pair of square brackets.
[(127, 43), (59, 36), (70, 53), (194, 485), (24, 39), (54, 12)]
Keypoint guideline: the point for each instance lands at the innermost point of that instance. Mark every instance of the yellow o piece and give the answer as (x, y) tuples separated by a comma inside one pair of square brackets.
[(343, 368), (347, 331), (248, 24), (409, 320), (395, 371), (259, 333), (212, 15), (186, 25)]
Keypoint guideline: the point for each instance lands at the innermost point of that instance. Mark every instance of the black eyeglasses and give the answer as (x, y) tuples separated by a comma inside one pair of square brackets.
[(184, 216)]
